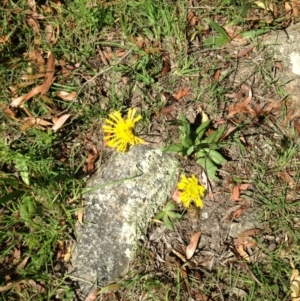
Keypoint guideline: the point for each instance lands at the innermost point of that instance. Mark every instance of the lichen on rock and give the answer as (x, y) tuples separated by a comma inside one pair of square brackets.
[(123, 198)]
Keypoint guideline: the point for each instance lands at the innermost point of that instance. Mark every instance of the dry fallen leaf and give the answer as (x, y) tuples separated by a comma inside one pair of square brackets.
[(191, 248), (34, 121), (92, 296), (66, 95), (7, 111), (235, 193), (35, 25), (241, 107), (297, 125), (181, 93), (244, 52), (49, 73), (284, 175), (295, 283), (92, 157), (31, 4), (60, 122), (166, 65), (68, 254), (17, 101), (237, 213), (37, 286), (176, 196), (22, 264), (245, 240), (80, 213), (217, 75), (295, 8)]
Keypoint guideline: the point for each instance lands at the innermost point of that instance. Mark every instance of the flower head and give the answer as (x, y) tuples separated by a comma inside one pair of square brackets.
[(190, 191), (120, 132)]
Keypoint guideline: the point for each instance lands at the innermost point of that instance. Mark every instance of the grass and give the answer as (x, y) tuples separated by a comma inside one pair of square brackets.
[(115, 55)]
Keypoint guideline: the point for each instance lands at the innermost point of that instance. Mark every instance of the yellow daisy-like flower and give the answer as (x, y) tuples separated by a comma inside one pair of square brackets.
[(190, 191), (120, 132)]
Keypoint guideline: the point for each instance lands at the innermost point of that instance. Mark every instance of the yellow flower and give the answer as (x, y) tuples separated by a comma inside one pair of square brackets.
[(120, 132), (190, 191)]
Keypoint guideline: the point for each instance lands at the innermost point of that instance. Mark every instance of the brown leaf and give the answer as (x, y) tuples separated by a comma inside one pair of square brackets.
[(31, 77), (235, 193), (181, 93), (66, 95), (22, 264), (245, 240), (297, 125), (60, 122), (176, 196), (4, 39), (237, 95), (68, 254), (80, 213), (49, 32), (10, 286), (17, 101), (167, 110), (191, 248), (16, 254), (244, 52), (49, 73), (6, 110), (217, 75), (37, 286), (237, 213), (240, 107), (52, 33), (278, 65), (166, 65), (244, 186), (287, 178), (91, 160), (112, 55), (295, 8), (229, 131), (31, 4), (34, 121), (35, 25), (92, 296), (287, 6), (192, 18)]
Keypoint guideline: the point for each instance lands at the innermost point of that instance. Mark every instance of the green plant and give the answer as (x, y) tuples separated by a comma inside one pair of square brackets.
[(204, 148), (216, 41), (168, 214)]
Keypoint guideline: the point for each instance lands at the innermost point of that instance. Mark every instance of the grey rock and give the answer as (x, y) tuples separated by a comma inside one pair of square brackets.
[(123, 198), (281, 46), (285, 48)]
